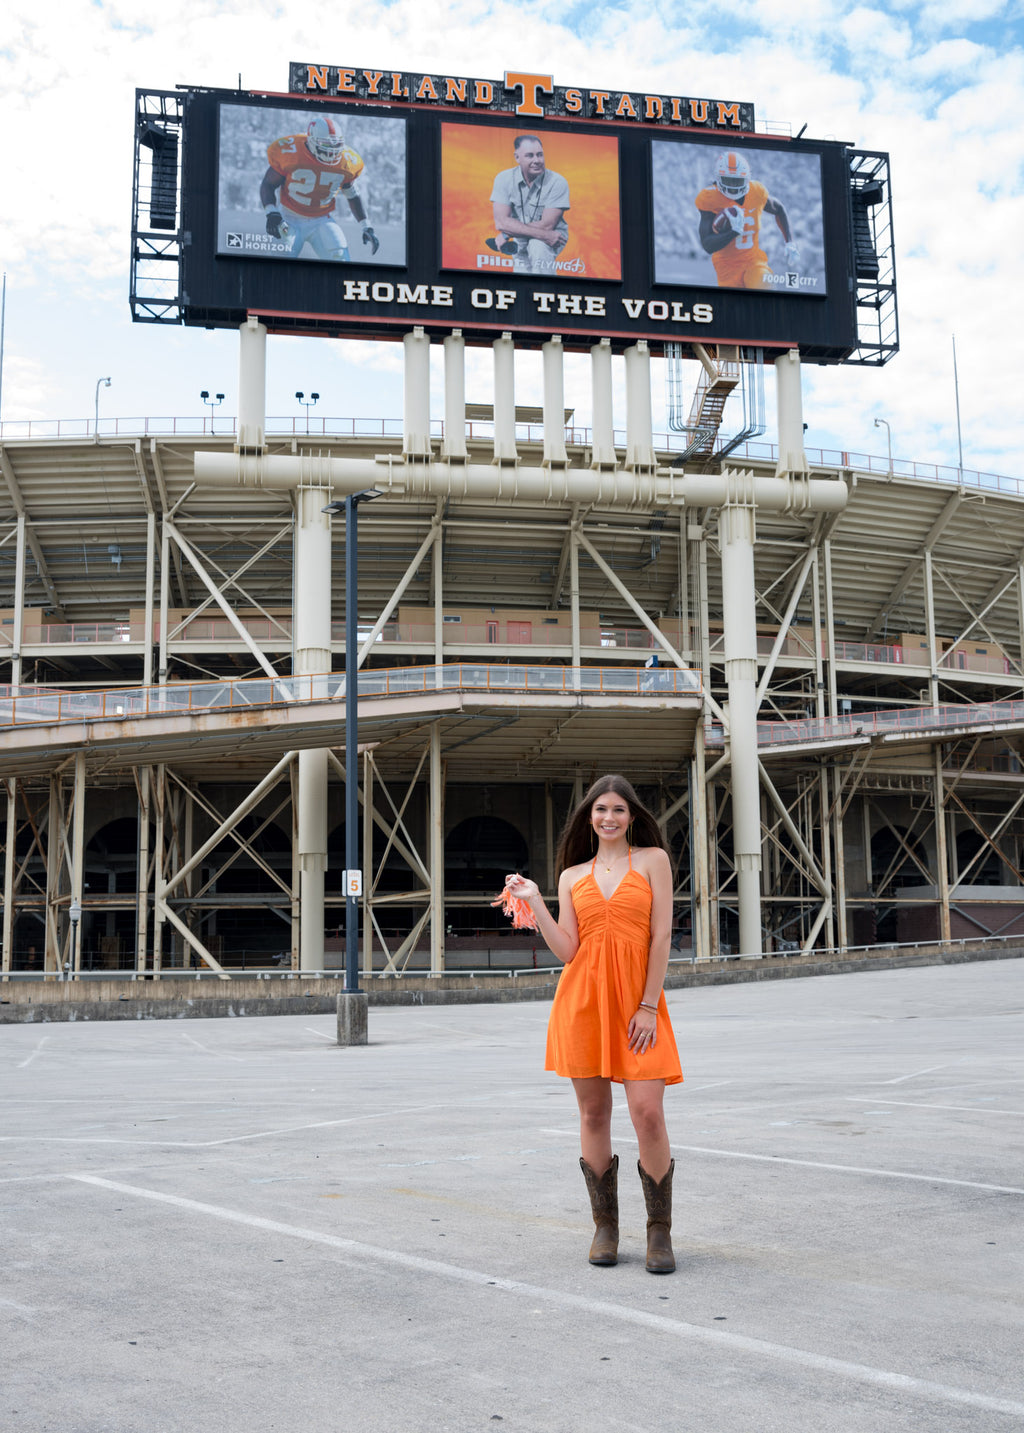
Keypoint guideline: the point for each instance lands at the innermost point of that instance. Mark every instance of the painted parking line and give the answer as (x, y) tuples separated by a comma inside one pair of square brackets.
[(694, 1333), (849, 1168), (923, 1105)]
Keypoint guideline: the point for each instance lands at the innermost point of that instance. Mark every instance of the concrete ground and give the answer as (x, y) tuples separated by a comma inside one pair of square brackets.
[(238, 1226)]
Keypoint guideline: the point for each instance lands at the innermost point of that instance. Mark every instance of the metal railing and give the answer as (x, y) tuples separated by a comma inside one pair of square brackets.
[(885, 723), (32, 706), (224, 426), (498, 631)]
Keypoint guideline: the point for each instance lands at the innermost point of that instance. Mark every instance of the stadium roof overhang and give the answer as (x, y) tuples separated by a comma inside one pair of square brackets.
[(484, 736)]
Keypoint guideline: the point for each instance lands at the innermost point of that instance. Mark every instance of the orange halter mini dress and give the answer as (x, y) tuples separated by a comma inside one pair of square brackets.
[(600, 989)]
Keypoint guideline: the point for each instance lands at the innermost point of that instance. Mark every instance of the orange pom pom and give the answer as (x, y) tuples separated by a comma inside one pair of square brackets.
[(519, 912)]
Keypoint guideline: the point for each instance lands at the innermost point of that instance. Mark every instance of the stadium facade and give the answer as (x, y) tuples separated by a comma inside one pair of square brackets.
[(164, 695)]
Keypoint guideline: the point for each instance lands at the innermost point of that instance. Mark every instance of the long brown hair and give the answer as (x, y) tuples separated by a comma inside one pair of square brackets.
[(576, 843)]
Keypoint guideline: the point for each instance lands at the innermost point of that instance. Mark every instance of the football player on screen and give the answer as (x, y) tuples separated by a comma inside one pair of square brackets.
[(730, 225), (300, 191)]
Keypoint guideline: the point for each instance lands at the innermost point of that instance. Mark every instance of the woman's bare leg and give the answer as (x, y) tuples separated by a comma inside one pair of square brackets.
[(646, 1100), (595, 1101)]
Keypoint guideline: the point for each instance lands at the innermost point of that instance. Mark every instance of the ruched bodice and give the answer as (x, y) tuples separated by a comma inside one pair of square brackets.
[(602, 986), (624, 915)]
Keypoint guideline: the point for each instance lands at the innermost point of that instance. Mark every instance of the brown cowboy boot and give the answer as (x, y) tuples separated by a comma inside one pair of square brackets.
[(604, 1205), (658, 1198)]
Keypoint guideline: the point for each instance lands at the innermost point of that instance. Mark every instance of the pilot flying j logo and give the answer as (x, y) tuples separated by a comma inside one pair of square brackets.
[(525, 95)]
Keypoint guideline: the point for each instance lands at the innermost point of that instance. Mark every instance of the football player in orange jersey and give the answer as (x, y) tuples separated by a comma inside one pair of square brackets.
[(300, 191), (730, 225)]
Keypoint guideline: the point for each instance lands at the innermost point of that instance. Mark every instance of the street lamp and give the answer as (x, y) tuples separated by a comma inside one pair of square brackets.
[(888, 434), (211, 403), (353, 875), (309, 403), (75, 915), (100, 383)]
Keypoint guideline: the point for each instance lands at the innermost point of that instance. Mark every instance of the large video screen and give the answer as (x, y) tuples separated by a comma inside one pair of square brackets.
[(311, 184), (516, 202), (368, 219), (738, 218)]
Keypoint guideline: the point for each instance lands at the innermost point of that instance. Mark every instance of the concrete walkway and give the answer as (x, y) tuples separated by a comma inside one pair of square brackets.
[(236, 1227)]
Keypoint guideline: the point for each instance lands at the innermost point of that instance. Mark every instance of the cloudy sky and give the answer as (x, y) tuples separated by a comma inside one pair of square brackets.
[(940, 86)]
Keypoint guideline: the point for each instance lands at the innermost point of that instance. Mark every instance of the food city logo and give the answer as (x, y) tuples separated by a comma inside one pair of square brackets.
[(527, 95), (544, 301)]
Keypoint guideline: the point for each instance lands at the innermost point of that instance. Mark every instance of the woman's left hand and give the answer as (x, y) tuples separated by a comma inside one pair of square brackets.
[(642, 1034)]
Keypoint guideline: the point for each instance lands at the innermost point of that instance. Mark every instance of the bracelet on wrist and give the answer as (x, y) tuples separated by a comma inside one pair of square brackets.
[(644, 1006)]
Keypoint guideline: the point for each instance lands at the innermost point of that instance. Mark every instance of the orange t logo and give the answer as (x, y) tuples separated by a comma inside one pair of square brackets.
[(529, 84)]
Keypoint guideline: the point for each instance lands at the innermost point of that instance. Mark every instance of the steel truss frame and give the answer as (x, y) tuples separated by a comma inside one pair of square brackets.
[(815, 810)]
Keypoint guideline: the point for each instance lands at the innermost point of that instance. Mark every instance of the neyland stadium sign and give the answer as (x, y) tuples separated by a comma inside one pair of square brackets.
[(528, 96)]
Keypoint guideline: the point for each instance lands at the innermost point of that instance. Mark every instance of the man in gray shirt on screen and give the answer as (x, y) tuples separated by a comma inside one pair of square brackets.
[(530, 203)]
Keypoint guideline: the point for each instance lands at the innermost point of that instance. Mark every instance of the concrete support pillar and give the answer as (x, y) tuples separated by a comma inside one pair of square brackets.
[(574, 600), (554, 405), (165, 597), (454, 447), (142, 878), (147, 653), (436, 819), (159, 871), (78, 849), (505, 400), (353, 1011), (639, 425), (11, 788), (736, 538), (19, 602), (312, 658), (701, 940), (933, 641), (252, 386), (789, 400), (437, 575), (416, 429), (54, 850), (839, 836), (311, 630), (312, 786), (602, 452)]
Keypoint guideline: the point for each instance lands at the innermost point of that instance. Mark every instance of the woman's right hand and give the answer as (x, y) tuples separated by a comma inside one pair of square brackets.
[(521, 887)]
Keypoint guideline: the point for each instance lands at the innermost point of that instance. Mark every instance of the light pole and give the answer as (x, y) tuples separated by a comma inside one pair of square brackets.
[(309, 403), (100, 383), (888, 434), (212, 404), (353, 874), (75, 915)]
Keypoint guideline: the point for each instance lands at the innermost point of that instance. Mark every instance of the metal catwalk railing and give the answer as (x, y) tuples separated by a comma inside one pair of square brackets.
[(48, 429), (34, 706), (908, 720)]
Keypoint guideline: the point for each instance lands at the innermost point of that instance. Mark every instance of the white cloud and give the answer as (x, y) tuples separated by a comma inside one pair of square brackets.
[(924, 82)]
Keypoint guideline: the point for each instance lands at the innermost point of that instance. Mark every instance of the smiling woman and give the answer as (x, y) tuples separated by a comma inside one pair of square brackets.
[(609, 1022)]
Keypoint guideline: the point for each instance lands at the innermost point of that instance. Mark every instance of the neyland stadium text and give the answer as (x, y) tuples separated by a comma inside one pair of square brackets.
[(529, 96)]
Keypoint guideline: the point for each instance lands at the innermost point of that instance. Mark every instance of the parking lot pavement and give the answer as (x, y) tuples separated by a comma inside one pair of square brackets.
[(237, 1225)]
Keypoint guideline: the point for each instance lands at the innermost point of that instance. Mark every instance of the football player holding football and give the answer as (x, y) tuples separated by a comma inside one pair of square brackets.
[(730, 225), (300, 191)]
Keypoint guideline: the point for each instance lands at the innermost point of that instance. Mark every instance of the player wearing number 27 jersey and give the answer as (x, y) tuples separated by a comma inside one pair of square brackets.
[(730, 225), (299, 193)]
